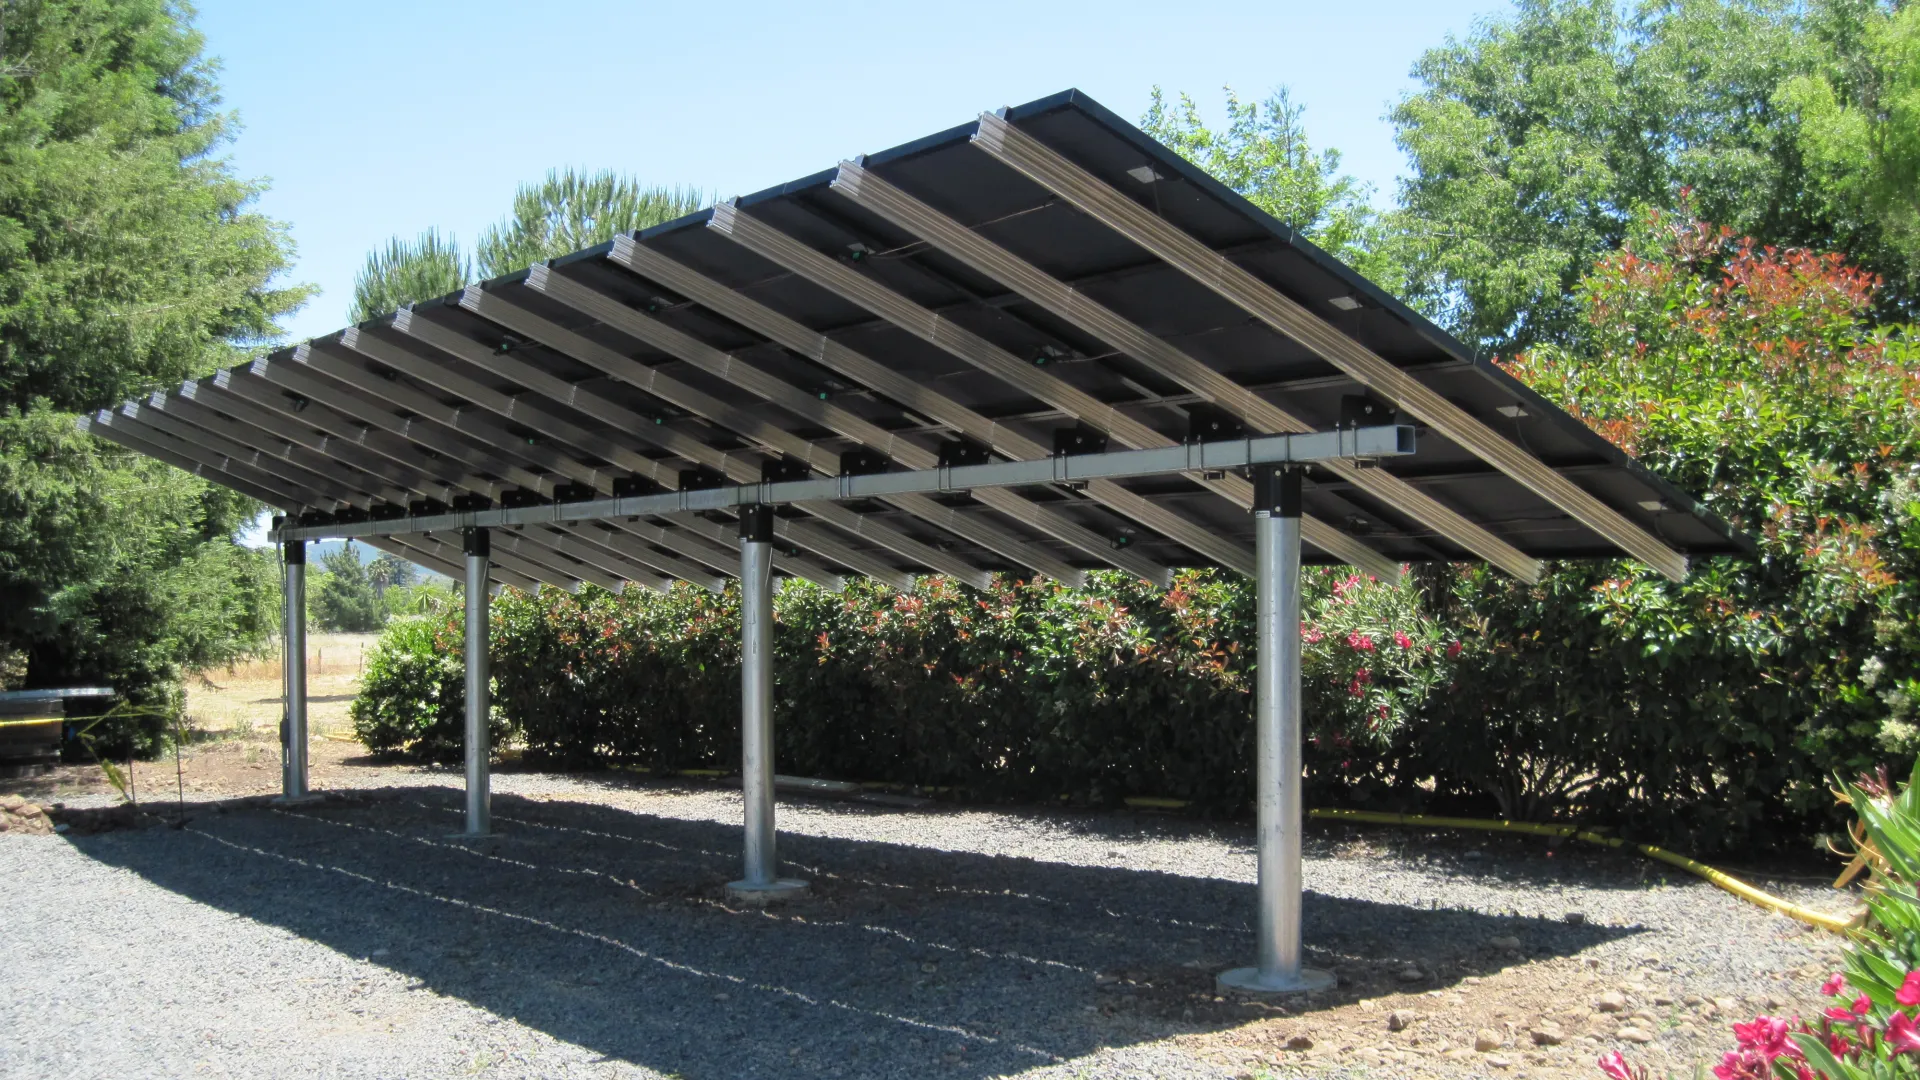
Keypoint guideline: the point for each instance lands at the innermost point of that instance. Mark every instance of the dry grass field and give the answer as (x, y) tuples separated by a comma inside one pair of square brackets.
[(244, 700)]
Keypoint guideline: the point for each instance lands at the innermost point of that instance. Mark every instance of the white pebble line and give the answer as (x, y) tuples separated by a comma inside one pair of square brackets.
[(672, 965), (882, 930), (822, 872), (465, 850)]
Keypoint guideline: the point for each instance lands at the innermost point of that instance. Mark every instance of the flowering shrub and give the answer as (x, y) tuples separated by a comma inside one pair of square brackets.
[(1715, 708), (1026, 689)]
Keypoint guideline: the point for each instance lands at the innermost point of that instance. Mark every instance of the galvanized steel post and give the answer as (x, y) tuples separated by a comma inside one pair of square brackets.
[(1277, 771), (479, 701), (759, 883), (293, 666)]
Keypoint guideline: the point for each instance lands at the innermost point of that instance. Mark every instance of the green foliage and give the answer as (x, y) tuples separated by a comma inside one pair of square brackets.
[(563, 213), (406, 272), (568, 211), (388, 571), (343, 597), (128, 256), (1538, 140), (118, 570), (1025, 690), (413, 695), (1752, 376), (419, 598), (1263, 153), (1859, 130)]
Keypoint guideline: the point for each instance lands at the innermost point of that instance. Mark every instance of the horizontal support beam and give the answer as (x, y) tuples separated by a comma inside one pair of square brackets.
[(1368, 442)]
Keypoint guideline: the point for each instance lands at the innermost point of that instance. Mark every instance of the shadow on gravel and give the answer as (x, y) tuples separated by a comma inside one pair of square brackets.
[(608, 929)]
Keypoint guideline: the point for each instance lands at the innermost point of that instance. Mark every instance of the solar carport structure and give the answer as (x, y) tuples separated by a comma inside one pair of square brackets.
[(1039, 343)]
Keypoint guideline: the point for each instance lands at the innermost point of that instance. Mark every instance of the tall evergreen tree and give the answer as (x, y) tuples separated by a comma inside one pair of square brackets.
[(569, 210), (406, 271), (563, 213), (129, 258)]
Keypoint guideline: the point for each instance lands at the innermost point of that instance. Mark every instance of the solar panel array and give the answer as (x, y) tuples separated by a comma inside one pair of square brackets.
[(1046, 280)]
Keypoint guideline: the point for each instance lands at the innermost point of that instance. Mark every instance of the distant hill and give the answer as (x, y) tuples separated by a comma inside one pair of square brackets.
[(323, 548)]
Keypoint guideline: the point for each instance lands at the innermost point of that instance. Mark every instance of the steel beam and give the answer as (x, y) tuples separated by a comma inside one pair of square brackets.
[(1074, 306), (403, 441), (663, 473), (776, 246), (287, 425), (293, 668), (574, 545), (1370, 442), (744, 422), (441, 559), (631, 551), (1103, 203), (258, 452), (203, 462), (908, 452)]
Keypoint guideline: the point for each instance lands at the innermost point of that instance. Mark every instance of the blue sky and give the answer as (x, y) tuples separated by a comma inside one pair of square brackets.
[(376, 119)]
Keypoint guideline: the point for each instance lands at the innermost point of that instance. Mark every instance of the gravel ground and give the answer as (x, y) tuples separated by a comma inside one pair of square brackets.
[(353, 937)]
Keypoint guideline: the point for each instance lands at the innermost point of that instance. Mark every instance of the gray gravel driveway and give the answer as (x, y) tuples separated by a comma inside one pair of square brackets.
[(590, 937)]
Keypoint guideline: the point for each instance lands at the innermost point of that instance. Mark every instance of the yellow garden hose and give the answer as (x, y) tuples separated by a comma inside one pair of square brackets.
[(1726, 881)]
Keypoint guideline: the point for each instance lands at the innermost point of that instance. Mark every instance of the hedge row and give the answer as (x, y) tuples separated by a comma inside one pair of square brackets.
[(1030, 691)]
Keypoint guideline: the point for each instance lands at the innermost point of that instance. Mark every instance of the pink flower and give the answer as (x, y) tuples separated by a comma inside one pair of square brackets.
[(1363, 676), (1311, 636), (1902, 1036), (1909, 992), (1861, 1004), (1401, 639), (1453, 650), (1742, 1065), (1766, 1035), (1616, 1067), (1832, 987), (1360, 642)]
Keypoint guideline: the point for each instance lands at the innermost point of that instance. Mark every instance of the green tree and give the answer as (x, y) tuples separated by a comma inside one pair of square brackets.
[(390, 571), (118, 570), (563, 213), (1264, 154), (1756, 377), (343, 598), (129, 258), (408, 271), (1858, 125), (1539, 139), (568, 211)]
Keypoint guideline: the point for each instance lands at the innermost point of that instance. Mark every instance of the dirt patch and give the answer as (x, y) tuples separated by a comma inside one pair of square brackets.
[(1549, 1018)]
